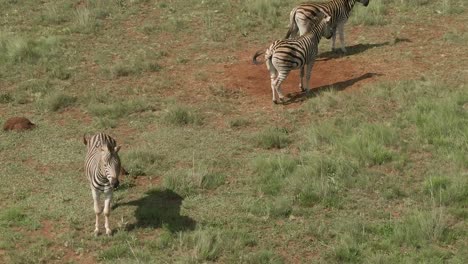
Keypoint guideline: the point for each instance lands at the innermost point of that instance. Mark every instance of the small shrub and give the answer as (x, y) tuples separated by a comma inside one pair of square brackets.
[(347, 251), (322, 179), (325, 102), (456, 37), (238, 123), (451, 190), (6, 98), (149, 28), (273, 138), (272, 171), (281, 207), (57, 101), (105, 122), (181, 183), (142, 162), (85, 20), (181, 116), (421, 228), (393, 192), (207, 245), (263, 257), (164, 240), (278, 207), (450, 7), (59, 72), (368, 144), (15, 49), (373, 14), (12, 216), (53, 15), (267, 10), (18, 217), (117, 110), (116, 251), (434, 185), (212, 180)]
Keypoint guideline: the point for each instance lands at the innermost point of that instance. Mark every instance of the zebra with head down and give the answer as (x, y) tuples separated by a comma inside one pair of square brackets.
[(285, 55)]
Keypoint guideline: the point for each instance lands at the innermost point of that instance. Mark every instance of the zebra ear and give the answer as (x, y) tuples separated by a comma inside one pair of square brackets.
[(85, 140), (327, 19), (116, 149)]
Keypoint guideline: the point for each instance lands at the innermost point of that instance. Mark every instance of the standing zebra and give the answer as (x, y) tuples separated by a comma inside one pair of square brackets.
[(102, 168), (288, 54), (300, 18)]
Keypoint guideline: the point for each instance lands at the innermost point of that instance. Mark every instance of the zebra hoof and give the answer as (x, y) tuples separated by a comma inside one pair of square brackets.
[(96, 233), (109, 232), (275, 102)]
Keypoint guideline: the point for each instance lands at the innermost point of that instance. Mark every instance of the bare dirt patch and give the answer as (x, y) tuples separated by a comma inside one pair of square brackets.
[(255, 81)]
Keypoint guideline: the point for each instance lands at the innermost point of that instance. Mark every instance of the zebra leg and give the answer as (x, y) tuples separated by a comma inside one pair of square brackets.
[(273, 81), (97, 210), (279, 80), (308, 74), (301, 84), (333, 41), (340, 30), (273, 73), (107, 209)]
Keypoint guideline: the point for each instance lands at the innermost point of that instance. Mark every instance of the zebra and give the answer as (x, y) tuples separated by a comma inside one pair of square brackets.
[(339, 11), (288, 54), (102, 168)]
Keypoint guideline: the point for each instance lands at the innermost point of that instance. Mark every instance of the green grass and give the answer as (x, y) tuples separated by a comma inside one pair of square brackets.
[(57, 101), (19, 49), (263, 257), (181, 116), (273, 137), (143, 162), (109, 113), (374, 173), (372, 15)]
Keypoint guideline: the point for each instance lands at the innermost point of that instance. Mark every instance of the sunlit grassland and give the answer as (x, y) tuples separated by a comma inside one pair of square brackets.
[(374, 175)]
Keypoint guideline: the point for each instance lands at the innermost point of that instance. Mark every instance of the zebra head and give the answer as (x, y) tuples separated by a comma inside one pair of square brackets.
[(110, 163), (364, 2)]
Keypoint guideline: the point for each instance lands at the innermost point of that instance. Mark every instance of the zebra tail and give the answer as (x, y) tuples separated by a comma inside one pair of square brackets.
[(292, 30), (254, 59), (85, 140)]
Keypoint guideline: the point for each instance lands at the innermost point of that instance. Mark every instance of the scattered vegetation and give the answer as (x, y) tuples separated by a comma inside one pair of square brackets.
[(273, 137), (57, 101), (372, 15), (372, 174), (180, 116)]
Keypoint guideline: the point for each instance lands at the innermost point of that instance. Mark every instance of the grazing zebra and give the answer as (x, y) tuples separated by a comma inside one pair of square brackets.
[(338, 10), (288, 54), (102, 168)]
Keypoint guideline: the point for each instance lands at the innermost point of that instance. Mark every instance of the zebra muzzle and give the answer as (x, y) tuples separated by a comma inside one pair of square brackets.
[(115, 184)]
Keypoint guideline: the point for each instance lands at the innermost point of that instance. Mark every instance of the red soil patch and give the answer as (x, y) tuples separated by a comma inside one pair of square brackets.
[(254, 80), (18, 124)]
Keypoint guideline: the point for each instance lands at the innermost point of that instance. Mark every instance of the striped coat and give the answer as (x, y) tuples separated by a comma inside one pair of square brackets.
[(301, 17), (289, 54), (102, 168)]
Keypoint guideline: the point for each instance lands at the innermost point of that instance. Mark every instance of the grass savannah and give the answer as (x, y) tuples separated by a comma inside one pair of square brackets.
[(370, 167)]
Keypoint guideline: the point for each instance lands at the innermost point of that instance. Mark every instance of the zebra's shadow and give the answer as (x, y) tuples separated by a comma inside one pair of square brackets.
[(356, 49), (338, 86), (159, 208)]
